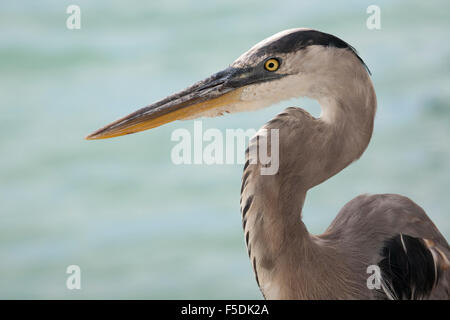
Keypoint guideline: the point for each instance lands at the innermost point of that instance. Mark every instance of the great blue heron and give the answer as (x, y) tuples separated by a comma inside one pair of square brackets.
[(385, 230)]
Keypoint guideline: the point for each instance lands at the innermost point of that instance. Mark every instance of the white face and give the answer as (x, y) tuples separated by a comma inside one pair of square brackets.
[(316, 72)]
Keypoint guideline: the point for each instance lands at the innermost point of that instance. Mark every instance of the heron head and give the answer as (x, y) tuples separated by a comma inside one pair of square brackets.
[(292, 63)]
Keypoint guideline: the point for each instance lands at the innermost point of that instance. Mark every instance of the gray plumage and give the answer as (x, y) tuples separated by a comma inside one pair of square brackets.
[(289, 262)]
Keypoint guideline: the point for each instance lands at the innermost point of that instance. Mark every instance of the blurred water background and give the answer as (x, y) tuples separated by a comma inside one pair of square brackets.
[(142, 227)]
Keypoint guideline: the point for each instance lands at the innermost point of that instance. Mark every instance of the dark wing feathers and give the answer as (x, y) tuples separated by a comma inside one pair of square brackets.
[(408, 268)]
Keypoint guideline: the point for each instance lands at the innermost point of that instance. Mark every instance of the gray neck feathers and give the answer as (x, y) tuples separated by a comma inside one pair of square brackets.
[(311, 151)]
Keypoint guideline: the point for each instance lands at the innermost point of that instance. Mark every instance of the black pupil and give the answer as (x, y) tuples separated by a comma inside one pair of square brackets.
[(271, 65)]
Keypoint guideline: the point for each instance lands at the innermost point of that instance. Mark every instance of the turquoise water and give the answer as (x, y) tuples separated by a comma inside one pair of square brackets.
[(141, 227)]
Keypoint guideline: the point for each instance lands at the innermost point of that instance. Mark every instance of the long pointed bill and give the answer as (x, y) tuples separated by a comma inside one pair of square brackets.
[(221, 89), (214, 92)]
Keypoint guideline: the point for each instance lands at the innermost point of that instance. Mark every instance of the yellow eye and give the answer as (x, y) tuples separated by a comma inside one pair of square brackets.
[(272, 64)]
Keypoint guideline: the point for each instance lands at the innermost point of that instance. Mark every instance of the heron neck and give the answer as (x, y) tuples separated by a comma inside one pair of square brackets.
[(311, 150)]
